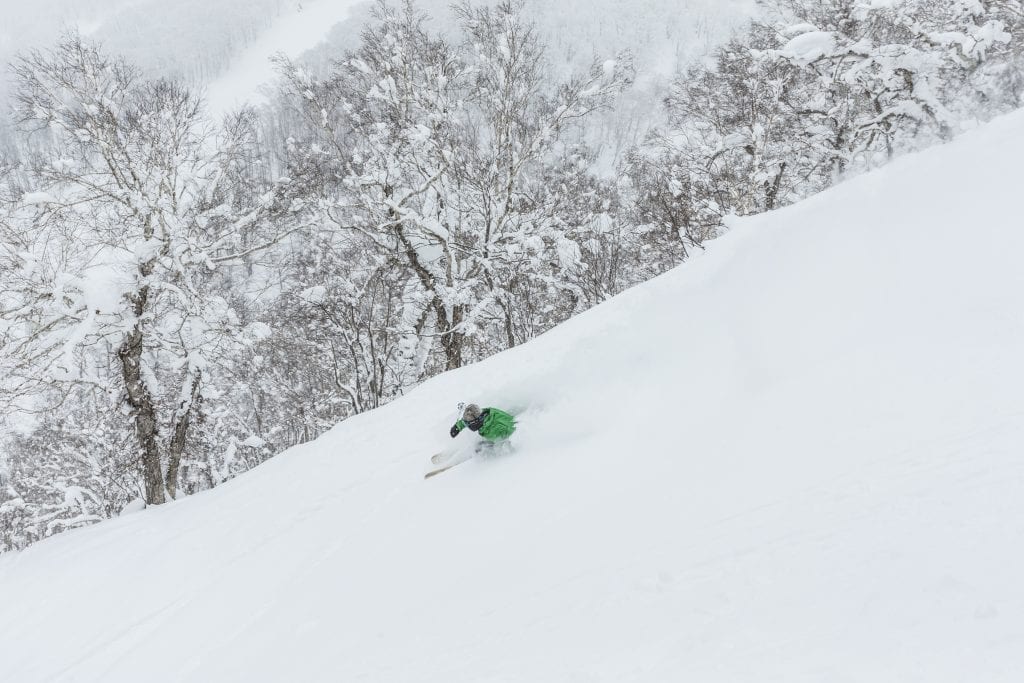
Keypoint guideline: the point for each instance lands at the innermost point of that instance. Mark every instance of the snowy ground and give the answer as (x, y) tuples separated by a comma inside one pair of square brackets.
[(796, 458)]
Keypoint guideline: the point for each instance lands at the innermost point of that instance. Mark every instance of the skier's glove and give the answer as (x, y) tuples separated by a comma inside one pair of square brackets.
[(454, 431)]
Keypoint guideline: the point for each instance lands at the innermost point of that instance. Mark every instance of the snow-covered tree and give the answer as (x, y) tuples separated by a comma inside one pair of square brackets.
[(983, 44), (113, 280), (518, 160), (732, 145), (431, 155), (878, 71), (818, 90)]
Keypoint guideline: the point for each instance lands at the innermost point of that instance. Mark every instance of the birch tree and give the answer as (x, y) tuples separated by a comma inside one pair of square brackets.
[(113, 279)]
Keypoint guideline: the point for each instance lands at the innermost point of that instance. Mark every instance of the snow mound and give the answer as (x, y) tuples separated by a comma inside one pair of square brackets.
[(809, 46), (795, 458)]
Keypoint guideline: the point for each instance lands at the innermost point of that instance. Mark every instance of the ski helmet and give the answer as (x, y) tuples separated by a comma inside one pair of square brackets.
[(471, 412)]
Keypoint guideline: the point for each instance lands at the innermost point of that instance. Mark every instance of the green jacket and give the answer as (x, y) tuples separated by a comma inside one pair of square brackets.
[(495, 425)]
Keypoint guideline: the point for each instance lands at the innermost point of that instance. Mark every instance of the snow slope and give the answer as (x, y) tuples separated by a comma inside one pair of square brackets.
[(292, 34), (795, 458)]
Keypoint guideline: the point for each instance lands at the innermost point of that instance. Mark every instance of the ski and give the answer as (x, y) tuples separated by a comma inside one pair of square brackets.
[(447, 467), (447, 459)]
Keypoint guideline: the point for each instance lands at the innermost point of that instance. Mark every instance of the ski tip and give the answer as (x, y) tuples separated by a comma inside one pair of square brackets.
[(439, 470)]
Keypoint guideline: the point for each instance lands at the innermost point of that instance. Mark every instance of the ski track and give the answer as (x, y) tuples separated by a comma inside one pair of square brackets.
[(795, 458)]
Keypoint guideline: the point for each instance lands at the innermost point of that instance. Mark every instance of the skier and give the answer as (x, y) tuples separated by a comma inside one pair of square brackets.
[(490, 423), (495, 426)]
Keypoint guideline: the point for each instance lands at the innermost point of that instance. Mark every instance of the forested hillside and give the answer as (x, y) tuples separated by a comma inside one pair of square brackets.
[(184, 295)]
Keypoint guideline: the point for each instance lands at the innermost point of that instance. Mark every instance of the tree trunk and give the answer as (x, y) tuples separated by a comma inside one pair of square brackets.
[(181, 425), (143, 409), (451, 337), (772, 188)]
